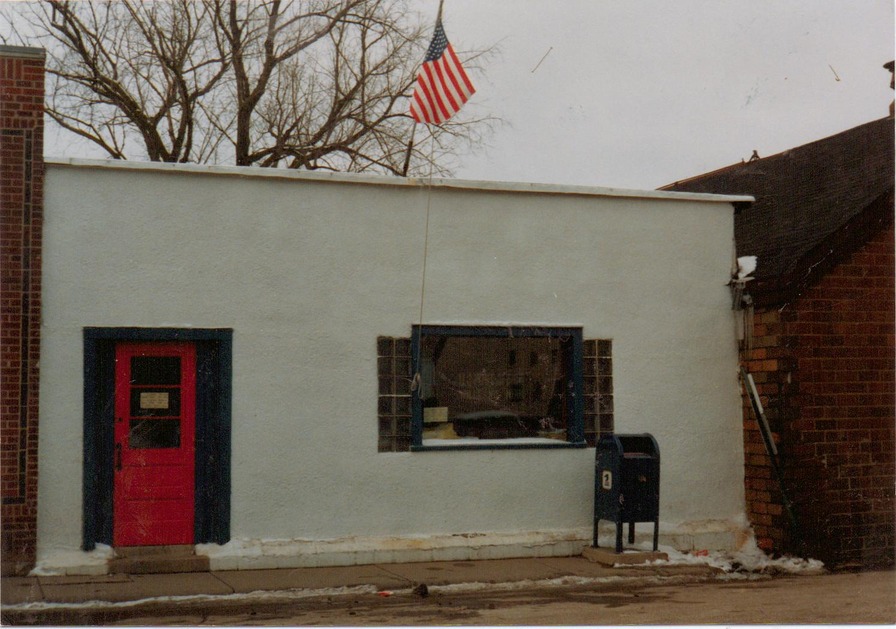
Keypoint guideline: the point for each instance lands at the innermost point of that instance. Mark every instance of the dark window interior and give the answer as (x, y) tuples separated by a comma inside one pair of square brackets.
[(475, 386), (155, 370)]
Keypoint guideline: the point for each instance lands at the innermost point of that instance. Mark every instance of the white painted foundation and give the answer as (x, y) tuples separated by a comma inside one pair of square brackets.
[(309, 269)]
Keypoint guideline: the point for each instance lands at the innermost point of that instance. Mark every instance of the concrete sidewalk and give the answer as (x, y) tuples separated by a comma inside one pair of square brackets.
[(18, 592)]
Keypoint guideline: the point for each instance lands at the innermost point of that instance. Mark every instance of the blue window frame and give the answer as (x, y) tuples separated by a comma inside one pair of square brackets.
[(492, 387)]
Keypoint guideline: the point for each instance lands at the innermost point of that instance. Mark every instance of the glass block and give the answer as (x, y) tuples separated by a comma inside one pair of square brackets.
[(403, 348), (386, 426), (588, 367), (402, 405), (590, 385), (402, 366), (590, 404), (402, 385), (403, 426), (386, 444)]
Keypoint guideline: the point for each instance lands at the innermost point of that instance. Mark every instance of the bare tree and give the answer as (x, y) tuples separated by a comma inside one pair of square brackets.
[(309, 84), (126, 70)]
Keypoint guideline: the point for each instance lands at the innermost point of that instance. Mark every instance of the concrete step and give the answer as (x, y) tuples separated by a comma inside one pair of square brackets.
[(157, 560), (609, 557)]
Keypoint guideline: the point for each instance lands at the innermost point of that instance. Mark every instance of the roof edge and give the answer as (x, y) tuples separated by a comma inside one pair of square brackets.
[(779, 154), (24, 52), (383, 180), (826, 255)]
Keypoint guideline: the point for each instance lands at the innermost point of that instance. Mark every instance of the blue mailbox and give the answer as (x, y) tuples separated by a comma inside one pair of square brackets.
[(627, 484)]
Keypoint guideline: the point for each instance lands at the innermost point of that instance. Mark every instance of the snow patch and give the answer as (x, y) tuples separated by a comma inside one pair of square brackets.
[(455, 588), (745, 266), (749, 558), (63, 562), (255, 596)]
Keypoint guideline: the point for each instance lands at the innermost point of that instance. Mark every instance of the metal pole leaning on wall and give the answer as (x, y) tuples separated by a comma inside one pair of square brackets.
[(772, 451)]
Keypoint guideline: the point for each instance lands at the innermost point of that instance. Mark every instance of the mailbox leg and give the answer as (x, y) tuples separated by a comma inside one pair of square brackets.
[(596, 521), (631, 532), (619, 536), (656, 534)]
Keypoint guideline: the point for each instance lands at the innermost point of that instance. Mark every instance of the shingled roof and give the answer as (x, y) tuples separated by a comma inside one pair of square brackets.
[(814, 204)]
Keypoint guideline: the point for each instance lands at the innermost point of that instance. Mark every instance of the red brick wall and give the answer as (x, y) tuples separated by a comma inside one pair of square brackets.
[(21, 219), (770, 363), (825, 367)]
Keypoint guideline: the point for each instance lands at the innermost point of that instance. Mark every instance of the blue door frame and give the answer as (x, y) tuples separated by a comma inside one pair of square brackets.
[(214, 348)]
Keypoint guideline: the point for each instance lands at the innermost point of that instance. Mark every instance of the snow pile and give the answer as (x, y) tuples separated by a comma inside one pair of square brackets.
[(745, 266), (75, 562), (749, 558)]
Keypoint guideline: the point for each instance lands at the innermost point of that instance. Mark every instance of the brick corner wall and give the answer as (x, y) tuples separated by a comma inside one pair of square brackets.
[(770, 363), (825, 366), (21, 220)]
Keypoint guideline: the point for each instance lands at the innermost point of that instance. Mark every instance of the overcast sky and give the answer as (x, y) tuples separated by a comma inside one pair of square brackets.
[(640, 93)]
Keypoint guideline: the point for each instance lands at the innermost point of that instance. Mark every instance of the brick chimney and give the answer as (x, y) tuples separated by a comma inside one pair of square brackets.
[(889, 66), (21, 221)]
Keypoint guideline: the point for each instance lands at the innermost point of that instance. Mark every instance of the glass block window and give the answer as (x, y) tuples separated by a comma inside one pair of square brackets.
[(485, 385), (598, 377), (394, 398)]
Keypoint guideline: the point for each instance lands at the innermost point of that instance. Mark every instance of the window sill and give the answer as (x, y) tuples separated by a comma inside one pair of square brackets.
[(441, 445)]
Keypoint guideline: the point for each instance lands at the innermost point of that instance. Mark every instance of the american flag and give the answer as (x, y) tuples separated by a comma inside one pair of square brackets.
[(442, 85)]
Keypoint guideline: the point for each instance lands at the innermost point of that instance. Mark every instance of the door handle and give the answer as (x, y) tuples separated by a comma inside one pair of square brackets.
[(118, 457)]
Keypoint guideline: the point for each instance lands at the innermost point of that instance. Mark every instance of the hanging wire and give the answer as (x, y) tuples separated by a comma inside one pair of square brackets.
[(426, 228), (415, 383)]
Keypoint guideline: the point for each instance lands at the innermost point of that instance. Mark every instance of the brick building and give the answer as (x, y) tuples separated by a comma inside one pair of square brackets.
[(821, 344), (21, 218)]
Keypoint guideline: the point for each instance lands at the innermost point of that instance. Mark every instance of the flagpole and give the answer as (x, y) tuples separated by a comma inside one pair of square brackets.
[(441, 89), (415, 380), (432, 149), (432, 146)]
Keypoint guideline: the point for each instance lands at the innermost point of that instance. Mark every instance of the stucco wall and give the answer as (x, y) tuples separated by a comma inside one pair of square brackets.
[(308, 271)]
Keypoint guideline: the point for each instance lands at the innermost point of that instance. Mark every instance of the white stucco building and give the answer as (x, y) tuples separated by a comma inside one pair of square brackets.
[(229, 359)]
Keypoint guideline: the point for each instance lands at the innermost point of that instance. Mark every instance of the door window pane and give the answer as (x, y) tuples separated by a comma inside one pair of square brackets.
[(155, 370), (154, 433)]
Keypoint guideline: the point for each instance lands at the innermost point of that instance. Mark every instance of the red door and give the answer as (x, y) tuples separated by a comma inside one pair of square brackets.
[(155, 428)]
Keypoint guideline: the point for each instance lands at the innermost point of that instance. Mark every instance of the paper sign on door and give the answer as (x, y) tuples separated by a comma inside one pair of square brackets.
[(154, 400)]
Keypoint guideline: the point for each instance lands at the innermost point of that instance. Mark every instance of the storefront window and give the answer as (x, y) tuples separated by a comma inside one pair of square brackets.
[(492, 386)]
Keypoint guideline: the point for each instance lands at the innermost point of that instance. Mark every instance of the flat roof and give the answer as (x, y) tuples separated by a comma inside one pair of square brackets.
[(384, 180), (26, 52)]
